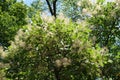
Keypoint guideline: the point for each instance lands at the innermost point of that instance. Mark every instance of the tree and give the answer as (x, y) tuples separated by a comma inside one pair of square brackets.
[(54, 51), (36, 6), (74, 8), (52, 7), (58, 48), (106, 32), (12, 17), (69, 8)]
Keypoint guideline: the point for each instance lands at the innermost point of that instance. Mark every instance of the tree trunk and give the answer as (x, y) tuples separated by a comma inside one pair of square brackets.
[(52, 9), (57, 73)]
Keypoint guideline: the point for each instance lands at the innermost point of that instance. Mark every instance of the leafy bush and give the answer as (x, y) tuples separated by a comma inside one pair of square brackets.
[(55, 50)]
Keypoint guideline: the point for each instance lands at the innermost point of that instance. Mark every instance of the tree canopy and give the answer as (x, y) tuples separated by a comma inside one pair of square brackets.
[(12, 17), (60, 40)]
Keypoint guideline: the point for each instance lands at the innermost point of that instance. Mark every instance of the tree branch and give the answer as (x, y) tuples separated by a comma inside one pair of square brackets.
[(54, 7), (50, 8)]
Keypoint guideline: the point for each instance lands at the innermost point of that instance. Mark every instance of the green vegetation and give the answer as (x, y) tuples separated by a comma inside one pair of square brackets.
[(80, 41), (12, 18)]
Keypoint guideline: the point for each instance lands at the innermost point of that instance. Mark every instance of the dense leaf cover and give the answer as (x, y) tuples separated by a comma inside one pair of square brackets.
[(56, 50), (12, 17), (80, 41)]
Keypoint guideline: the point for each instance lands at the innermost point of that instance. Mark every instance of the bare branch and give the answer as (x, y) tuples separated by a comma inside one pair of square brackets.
[(54, 7), (50, 8)]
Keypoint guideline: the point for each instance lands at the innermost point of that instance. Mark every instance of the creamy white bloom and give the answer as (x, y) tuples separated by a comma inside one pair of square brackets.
[(66, 62), (46, 18), (94, 12), (117, 2), (21, 43), (2, 53), (79, 3), (104, 50), (98, 7), (62, 17), (58, 63), (85, 10)]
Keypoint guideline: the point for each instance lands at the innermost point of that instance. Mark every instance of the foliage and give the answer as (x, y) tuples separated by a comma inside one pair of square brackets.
[(56, 50), (70, 8), (106, 24), (35, 7), (106, 30), (12, 17), (74, 9), (87, 47)]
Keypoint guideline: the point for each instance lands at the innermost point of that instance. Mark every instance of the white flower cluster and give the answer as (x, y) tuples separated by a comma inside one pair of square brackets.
[(104, 50), (62, 17), (63, 62), (117, 2), (18, 40), (46, 18), (2, 52), (79, 3)]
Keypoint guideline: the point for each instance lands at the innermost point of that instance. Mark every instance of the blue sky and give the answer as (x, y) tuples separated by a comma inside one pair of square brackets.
[(28, 2)]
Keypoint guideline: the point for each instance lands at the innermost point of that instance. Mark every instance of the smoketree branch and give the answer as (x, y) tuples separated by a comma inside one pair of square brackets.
[(50, 8), (54, 7)]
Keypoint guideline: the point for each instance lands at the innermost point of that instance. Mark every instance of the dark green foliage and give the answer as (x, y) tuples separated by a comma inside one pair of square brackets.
[(106, 30), (106, 24), (12, 17)]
